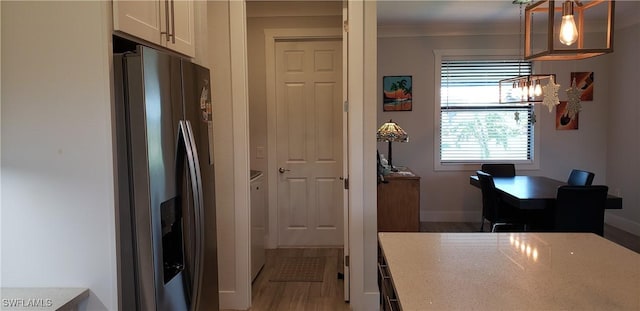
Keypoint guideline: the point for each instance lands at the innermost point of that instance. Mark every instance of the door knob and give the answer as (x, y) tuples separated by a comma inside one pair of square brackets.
[(282, 170)]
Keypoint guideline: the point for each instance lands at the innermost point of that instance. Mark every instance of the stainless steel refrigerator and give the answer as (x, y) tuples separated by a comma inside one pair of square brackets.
[(167, 253)]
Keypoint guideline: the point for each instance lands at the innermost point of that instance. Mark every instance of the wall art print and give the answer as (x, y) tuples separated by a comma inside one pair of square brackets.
[(563, 120), (397, 93), (584, 82)]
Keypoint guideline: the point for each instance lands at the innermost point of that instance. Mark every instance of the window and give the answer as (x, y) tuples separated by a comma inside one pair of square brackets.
[(473, 126)]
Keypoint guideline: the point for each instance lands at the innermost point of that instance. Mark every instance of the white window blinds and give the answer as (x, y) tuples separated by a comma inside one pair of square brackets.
[(474, 127)]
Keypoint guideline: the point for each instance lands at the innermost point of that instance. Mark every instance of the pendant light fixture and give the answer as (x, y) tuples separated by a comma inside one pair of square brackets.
[(585, 29), (524, 89)]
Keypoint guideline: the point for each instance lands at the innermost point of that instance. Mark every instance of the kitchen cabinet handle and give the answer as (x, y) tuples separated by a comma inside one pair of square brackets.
[(166, 21), (391, 303), (382, 269), (173, 21)]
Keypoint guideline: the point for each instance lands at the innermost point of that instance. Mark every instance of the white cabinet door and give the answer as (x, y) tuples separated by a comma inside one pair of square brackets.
[(182, 27), (138, 18), (168, 23)]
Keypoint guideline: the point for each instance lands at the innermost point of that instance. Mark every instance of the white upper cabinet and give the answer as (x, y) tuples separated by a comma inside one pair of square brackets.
[(182, 39), (168, 23)]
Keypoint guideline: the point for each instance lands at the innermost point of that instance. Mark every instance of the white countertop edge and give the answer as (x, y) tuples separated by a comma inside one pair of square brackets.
[(41, 298)]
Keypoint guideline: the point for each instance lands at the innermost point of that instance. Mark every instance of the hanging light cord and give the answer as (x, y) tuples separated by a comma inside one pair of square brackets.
[(521, 43)]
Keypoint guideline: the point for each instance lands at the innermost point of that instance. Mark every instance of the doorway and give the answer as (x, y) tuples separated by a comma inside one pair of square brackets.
[(330, 194), (308, 82)]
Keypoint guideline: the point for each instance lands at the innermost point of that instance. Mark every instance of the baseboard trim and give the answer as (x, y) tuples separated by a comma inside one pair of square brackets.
[(231, 300), (450, 216), (622, 223), (371, 301)]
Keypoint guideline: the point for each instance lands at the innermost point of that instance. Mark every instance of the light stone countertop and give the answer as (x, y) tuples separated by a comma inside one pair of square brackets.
[(42, 299), (511, 271)]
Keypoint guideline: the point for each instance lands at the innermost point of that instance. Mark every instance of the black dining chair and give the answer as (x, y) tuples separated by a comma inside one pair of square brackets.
[(499, 169), (580, 178), (580, 209), (498, 213)]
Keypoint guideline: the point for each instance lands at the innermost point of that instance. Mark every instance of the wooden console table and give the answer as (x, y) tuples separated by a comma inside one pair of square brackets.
[(399, 202)]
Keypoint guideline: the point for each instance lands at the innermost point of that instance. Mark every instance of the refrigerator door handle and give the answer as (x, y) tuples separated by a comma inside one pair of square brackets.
[(185, 138), (198, 213)]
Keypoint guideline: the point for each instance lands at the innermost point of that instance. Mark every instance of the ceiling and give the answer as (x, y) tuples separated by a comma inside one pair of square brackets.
[(473, 12), (394, 12)]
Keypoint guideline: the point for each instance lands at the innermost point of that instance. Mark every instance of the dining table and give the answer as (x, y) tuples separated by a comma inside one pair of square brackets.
[(534, 192)]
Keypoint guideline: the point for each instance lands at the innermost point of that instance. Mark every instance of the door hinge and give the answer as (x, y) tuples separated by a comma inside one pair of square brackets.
[(346, 261), (345, 26), (346, 183), (345, 106)]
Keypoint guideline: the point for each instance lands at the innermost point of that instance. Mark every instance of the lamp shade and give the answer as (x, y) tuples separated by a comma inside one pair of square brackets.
[(568, 30), (391, 132)]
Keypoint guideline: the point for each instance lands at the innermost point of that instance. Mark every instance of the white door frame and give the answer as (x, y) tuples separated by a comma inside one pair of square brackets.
[(345, 149), (363, 92), (271, 36)]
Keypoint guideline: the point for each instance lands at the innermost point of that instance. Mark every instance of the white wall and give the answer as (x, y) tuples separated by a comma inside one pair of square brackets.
[(223, 157), (623, 132), (362, 59), (227, 54), (0, 143), (585, 148), (603, 144), (371, 295), (445, 195), (57, 167)]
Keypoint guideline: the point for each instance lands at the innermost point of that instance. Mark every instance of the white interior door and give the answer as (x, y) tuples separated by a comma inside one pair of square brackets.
[(309, 142)]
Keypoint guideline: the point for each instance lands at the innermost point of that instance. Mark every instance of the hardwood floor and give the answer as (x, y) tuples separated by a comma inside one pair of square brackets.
[(326, 295), (623, 238)]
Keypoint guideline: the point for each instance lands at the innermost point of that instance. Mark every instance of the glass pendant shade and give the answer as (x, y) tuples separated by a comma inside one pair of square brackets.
[(537, 91), (568, 30)]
